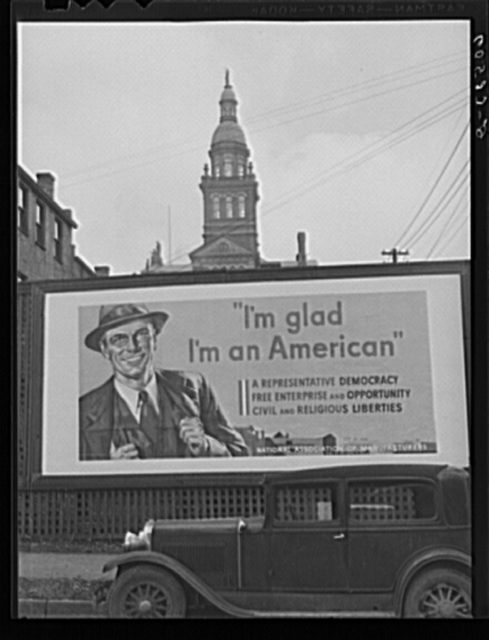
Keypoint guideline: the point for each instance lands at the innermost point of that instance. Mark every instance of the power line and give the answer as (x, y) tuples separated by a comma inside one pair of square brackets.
[(411, 70), (343, 170), (353, 102), (265, 128), (338, 170), (353, 161), (108, 174), (453, 235), (438, 210), (382, 79), (428, 223), (447, 224), (145, 152), (430, 192), (445, 145)]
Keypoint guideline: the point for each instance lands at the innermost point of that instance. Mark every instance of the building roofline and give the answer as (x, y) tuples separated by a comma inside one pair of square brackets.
[(44, 196), (84, 264), (222, 236)]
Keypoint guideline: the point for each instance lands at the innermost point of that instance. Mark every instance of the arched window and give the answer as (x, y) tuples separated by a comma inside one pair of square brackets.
[(216, 213), (240, 169), (229, 206), (241, 206), (228, 166)]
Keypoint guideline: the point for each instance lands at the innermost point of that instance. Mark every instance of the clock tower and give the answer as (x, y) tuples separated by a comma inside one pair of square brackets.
[(230, 193)]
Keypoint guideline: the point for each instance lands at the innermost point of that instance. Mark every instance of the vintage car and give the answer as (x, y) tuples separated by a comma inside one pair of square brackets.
[(365, 540)]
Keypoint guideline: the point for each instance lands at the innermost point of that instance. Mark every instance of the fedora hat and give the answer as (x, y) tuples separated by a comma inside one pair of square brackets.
[(115, 315)]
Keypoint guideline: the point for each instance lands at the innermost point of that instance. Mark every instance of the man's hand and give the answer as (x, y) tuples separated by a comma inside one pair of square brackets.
[(126, 452), (193, 435)]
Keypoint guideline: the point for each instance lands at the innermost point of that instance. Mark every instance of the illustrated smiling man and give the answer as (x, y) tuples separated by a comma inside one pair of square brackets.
[(142, 411)]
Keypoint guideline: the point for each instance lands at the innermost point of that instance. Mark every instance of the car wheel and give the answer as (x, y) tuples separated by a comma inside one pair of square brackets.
[(439, 593), (146, 592)]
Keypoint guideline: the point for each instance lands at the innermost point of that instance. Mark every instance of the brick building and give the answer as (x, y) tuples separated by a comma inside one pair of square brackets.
[(45, 248)]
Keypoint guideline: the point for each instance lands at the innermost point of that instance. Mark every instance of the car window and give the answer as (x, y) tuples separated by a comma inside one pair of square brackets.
[(306, 503), (455, 484), (384, 502)]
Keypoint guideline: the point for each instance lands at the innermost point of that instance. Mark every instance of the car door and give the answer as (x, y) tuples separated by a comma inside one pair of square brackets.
[(307, 540), (390, 520)]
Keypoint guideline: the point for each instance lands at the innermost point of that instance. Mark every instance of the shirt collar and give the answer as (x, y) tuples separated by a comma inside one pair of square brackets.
[(131, 396)]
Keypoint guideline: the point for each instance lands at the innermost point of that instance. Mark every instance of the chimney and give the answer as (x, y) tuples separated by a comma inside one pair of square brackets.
[(102, 271), (301, 258), (46, 181)]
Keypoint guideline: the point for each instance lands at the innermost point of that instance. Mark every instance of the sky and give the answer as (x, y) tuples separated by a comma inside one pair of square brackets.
[(358, 133)]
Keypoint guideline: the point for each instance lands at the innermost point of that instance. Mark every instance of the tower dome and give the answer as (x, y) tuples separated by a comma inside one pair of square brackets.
[(228, 132), (228, 91), (228, 129)]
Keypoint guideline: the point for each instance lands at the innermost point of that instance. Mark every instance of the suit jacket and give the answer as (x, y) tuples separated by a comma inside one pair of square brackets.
[(191, 397)]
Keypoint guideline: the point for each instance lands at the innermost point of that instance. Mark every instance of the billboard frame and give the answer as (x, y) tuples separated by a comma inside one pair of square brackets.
[(33, 430)]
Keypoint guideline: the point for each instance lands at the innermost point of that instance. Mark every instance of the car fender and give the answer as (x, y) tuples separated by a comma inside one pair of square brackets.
[(183, 573), (422, 561)]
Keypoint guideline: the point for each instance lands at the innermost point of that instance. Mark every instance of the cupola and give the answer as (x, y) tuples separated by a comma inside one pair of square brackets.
[(230, 191)]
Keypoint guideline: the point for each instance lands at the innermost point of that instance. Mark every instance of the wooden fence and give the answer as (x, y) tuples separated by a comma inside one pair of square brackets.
[(106, 514)]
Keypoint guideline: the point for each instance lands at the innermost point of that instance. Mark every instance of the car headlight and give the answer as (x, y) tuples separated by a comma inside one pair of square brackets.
[(142, 540)]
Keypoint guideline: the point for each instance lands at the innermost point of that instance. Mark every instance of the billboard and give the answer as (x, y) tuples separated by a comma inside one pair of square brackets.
[(254, 375)]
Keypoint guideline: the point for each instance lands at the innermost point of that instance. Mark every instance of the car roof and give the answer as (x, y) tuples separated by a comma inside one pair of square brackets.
[(366, 470)]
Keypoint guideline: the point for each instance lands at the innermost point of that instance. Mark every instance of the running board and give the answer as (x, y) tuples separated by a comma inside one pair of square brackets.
[(320, 614)]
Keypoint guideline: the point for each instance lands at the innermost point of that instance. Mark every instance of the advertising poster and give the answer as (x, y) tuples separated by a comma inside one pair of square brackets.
[(258, 375)]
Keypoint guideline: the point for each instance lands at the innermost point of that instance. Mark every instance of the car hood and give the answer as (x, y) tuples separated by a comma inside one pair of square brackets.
[(208, 525)]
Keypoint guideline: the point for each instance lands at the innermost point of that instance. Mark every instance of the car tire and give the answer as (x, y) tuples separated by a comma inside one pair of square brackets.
[(146, 592), (439, 593)]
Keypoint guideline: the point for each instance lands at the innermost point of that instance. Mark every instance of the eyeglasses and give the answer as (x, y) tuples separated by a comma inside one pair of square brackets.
[(123, 340)]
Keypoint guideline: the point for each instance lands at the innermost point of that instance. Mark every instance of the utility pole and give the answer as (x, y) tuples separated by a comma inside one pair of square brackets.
[(394, 253)]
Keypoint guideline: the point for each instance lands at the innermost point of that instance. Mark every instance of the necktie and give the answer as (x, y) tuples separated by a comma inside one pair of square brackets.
[(148, 423)]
